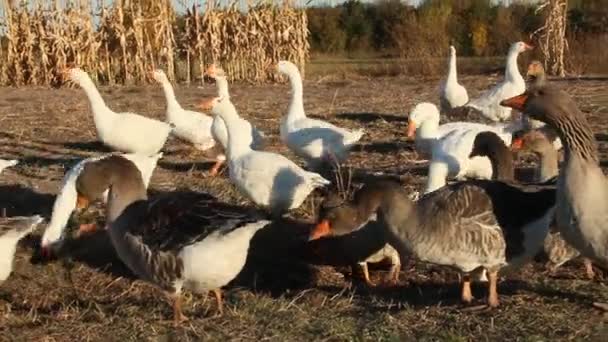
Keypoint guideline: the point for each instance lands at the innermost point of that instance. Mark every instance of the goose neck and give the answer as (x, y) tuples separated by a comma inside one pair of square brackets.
[(296, 106), (452, 73), (98, 105), (576, 136), (512, 71), (222, 87), (170, 96), (502, 164), (548, 167), (237, 144)]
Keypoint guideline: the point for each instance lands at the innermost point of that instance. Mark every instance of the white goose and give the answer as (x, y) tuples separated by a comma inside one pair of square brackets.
[(178, 240), (7, 163), (13, 229), (452, 94), (314, 140), (513, 84), (190, 126), (68, 198), (218, 127), (267, 179), (125, 132)]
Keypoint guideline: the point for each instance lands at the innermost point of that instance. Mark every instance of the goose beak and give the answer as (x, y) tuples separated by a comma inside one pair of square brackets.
[(411, 130), (82, 202), (517, 144), (210, 71), (271, 68), (206, 105), (528, 47), (322, 229), (517, 102)]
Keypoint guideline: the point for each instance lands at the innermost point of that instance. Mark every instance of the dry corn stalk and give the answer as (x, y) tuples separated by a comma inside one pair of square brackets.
[(118, 41)]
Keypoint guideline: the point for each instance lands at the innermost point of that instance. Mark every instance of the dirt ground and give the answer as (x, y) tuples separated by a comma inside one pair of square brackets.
[(90, 296)]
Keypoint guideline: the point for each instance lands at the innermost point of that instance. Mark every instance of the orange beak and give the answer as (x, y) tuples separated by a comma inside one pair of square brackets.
[(517, 144), (206, 105), (322, 229), (411, 129), (82, 202), (210, 71), (528, 46), (517, 102)]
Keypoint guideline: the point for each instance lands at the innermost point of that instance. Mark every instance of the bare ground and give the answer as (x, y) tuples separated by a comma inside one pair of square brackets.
[(278, 297)]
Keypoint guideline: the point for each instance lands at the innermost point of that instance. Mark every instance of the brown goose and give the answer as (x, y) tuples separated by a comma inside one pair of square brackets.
[(360, 240), (468, 225), (489, 145), (179, 240), (582, 188)]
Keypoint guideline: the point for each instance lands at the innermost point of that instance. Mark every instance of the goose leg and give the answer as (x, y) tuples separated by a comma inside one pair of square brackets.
[(589, 268), (216, 167), (178, 316), (466, 294), (493, 293), (365, 270), (393, 274), (86, 228), (220, 303)]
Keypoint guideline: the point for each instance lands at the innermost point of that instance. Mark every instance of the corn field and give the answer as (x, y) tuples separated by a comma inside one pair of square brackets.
[(119, 41)]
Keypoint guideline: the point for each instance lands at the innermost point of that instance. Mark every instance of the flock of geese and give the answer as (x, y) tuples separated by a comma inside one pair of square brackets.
[(482, 222)]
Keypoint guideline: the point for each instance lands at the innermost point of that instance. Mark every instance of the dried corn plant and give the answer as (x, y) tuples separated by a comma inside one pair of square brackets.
[(118, 41), (552, 35), (245, 44)]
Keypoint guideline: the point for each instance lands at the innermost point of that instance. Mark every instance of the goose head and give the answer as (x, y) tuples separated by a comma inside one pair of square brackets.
[(74, 74), (520, 47), (544, 103), (159, 76), (340, 216), (535, 68), (335, 218), (452, 50), (534, 141), (287, 68), (215, 72), (422, 112), (216, 105)]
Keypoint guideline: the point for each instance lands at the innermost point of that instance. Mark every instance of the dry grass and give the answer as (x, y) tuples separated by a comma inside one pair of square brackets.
[(279, 298), (118, 42)]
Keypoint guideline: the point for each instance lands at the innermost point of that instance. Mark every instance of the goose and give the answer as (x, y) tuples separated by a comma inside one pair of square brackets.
[(13, 229), (124, 132), (490, 145), (340, 218), (193, 127), (69, 199), (179, 240), (316, 141), (218, 127), (423, 127), (489, 102), (452, 94), (469, 225), (7, 163), (267, 179), (582, 188)]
